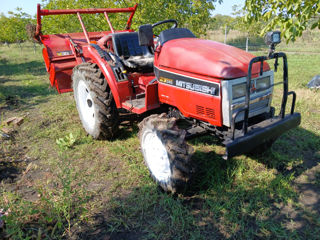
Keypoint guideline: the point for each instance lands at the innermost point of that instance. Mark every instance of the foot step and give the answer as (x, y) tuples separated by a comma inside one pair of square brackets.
[(136, 103), (140, 95)]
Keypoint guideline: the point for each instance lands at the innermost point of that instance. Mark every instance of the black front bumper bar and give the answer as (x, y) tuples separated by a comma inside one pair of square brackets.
[(270, 129), (261, 133)]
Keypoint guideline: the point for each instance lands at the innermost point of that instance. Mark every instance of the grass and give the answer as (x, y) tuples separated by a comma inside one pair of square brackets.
[(64, 184)]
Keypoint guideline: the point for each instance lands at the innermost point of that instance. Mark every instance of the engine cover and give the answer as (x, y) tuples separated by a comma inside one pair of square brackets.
[(206, 58)]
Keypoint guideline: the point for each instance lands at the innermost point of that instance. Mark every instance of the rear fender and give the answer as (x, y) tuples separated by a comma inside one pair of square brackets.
[(91, 53)]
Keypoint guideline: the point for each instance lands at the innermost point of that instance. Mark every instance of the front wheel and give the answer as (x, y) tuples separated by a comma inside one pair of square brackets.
[(165, 152)]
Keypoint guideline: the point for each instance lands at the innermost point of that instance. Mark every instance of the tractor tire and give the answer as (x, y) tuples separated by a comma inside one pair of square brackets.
[(166, 153), (96, 107)]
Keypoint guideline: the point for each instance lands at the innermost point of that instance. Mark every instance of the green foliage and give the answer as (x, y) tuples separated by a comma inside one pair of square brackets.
[(251, 28), (220, 22), (292, 16), (237, 22), (66, 142), (13, 26), (193, 14)]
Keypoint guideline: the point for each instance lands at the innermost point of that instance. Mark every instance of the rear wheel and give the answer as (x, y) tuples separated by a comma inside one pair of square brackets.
[(165, 152), (96, 107)]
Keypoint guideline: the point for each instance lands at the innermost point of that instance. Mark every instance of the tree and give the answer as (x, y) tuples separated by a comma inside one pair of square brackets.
[(13, 26), (222, 21), (251, 28), (291, 16), (193, 14)]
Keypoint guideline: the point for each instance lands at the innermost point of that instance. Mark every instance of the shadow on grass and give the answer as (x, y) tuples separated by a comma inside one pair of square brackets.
[(12, 163), (17, 93), (223, 202), (293, 153), (127, 130), (8, 171), (35, 68), (19, 97), (145, 213), (225, 213), (220, 207)]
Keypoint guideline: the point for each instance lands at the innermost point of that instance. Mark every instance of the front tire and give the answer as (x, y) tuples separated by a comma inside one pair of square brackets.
[(96, 107), (165, 152)]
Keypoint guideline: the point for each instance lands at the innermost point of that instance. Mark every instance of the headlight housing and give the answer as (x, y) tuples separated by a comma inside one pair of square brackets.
[(257, 85), (272, 38), (238, 90), (263, 84)]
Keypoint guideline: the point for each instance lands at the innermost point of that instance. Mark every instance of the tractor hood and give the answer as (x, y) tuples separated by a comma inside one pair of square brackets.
[(207, 58)]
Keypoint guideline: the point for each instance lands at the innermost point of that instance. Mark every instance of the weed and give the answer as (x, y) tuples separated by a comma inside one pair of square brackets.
[(66, 142)]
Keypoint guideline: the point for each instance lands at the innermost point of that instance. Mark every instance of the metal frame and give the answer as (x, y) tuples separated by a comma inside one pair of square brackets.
[(105, 11), (261, 59)]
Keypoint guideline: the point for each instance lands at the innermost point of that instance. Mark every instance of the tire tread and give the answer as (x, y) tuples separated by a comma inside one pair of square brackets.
[(108, 115)]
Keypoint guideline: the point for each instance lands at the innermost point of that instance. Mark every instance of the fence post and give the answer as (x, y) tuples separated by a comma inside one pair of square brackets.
[(225, 34), (247, 44), (19, 43), (34, 47)]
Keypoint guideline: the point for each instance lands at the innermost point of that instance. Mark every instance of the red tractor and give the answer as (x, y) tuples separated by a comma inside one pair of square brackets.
[(211, 87)]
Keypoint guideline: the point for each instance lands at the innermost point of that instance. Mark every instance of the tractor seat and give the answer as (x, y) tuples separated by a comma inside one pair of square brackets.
[(136, 58)]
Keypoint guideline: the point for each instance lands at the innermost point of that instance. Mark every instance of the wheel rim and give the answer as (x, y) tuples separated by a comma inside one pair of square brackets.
[(156, 156), (86, 105)]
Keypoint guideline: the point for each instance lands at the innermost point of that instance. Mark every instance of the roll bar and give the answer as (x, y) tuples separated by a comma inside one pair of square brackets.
[(105, 11)]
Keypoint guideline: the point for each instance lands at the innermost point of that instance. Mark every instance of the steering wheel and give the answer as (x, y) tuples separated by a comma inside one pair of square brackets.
[(175, 23)]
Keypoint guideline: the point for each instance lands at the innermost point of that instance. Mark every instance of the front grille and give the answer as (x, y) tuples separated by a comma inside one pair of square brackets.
[(254, 109), (200, 110), (208, 112)]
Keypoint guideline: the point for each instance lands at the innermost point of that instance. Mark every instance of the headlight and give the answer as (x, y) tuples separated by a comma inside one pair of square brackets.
[(272, 38), (263, 84), (238, 90)]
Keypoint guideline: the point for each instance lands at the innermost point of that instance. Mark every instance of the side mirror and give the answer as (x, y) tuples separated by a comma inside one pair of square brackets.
[(146, 35)]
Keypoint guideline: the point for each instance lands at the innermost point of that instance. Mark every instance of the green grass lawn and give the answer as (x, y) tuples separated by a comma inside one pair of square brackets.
[(57, 182)]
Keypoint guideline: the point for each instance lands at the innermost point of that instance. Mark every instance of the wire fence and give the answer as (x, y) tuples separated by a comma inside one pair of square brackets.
[(23, 45), (308, 43), (248, 44)]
